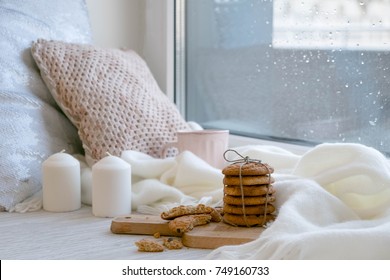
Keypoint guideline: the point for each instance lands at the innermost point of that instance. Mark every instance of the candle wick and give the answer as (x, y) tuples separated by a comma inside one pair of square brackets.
[(108, 154), (63, 151)]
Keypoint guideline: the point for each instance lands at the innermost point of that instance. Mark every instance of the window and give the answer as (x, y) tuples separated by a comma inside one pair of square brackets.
[(306, 71)]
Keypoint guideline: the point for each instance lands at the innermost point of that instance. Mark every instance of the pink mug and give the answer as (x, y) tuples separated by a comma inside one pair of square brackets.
[(207, 144)]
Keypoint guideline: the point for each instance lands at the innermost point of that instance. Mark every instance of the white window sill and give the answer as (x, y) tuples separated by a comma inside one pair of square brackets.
[(236, 141)]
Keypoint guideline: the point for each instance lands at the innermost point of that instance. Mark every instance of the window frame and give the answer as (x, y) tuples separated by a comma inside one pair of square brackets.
[(177, 11), (180, 51), (180, 89)]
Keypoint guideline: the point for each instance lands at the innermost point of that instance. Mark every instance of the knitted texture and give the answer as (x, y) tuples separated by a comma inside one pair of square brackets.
[(111, 97)]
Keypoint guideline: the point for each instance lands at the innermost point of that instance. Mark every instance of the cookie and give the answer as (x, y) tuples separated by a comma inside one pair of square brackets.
[(173, 243), (248, 220), (184, 224), (250, 200), (248, 180), (184, 210), (249, 210), (255, 190), (248, 169), (148, 245)]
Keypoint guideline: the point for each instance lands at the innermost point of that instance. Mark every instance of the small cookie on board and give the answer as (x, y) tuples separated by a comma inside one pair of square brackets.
[(185, 210), (186, 223)]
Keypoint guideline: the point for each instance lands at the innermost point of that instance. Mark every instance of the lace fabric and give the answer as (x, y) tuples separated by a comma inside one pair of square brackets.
[(32, 126)]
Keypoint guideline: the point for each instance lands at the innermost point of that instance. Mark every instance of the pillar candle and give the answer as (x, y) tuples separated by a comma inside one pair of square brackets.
[(61, 187), (111, 187)]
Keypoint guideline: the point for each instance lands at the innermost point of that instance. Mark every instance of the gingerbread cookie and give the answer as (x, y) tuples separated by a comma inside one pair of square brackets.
[(255, 190), (248, 180), (248, 220), (250, 200), (184, 210), (186, 223), (248, 169), (249, 210)]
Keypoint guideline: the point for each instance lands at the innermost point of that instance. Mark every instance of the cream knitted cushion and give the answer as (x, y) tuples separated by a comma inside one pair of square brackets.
[(110, 96)]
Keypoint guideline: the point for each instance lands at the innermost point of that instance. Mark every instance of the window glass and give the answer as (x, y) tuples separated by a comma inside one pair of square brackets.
[(310, 71)]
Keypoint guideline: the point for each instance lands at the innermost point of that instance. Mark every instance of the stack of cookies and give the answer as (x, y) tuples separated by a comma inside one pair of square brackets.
[(248, 194)]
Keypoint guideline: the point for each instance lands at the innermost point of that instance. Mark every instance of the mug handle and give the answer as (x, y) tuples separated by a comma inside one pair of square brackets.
[(166, 147)]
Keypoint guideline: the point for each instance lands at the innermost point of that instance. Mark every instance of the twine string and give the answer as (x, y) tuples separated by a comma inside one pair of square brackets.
[(242, 161)]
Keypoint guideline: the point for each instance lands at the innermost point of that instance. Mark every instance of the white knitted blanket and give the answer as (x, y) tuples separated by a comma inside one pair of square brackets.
[(333, 201)]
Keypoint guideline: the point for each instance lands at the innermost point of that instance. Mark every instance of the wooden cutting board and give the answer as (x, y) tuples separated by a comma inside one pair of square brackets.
[(208, 236)]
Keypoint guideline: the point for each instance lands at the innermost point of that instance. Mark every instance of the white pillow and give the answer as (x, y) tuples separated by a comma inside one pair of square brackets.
[(32, 126)]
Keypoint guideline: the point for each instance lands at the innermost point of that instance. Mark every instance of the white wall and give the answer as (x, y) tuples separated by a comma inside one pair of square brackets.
[(118, 23), (140, 25)]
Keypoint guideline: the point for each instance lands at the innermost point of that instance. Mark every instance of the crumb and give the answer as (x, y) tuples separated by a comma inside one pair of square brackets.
[(148, 245), (157, 235), (173, 243)]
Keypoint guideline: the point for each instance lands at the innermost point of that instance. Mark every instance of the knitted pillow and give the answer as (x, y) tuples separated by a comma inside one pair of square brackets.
[(110, 96)]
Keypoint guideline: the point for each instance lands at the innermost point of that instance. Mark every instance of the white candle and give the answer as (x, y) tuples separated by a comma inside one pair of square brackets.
[(111, 187), (61, 187)]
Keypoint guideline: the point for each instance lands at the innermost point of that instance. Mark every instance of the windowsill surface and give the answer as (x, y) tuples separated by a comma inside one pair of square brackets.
[(237, 140)]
